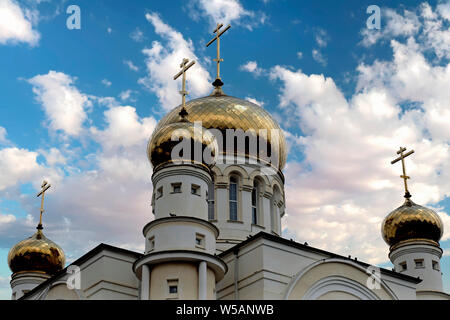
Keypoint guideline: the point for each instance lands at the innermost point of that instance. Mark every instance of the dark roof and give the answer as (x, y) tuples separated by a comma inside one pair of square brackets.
[(101, 247), (271, 237)]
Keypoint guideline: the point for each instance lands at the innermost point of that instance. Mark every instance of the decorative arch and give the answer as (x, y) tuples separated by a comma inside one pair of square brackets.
[(235, 169), (216, 171), (257, 174), (61, 283), (338, 282)]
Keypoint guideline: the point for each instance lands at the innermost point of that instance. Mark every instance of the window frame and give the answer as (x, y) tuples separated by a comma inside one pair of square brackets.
[(176, 185), (403, 266), (196, 190), (173, 283), (200, 236), (159, 192), (256, 208), (234, 201), (419, 263)]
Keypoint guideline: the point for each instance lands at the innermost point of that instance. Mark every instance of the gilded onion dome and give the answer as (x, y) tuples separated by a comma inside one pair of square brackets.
[(412, 222), (165, 138), (219, 111), (36, 254)]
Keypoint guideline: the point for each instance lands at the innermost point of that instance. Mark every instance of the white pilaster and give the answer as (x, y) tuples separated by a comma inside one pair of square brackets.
[(202, 281), (145, 283)]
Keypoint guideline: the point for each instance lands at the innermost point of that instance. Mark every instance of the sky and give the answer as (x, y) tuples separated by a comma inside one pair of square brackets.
[(78, 106)]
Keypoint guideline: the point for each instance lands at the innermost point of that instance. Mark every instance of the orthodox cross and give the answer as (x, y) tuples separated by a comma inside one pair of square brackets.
[(218, 82), (404, 176), (45, 186), (184, 67)]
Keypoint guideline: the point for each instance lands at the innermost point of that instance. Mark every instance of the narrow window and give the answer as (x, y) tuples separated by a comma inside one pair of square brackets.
[(419, 263), (255, 202), (233, 199), (200, 240), (176, 187), (403, 266), (151, 243), (172, 285), (159, 192), (435, 265), (210, 197), (195, 189)]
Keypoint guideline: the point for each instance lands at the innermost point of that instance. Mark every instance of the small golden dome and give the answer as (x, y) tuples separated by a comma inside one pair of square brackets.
[(410, 222), (36, 254), (165, 138), (222, 112)]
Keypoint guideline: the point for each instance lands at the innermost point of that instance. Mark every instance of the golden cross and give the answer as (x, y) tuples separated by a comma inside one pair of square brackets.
[(184, 67), (404, 176), (45, 186), (218, 81)]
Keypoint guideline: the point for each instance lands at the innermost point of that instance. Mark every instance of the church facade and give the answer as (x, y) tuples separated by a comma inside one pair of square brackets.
[(217, 204)]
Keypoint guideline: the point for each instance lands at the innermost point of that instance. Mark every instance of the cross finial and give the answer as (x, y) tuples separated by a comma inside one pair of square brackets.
[(184, 67), (44, 187), (404, 176), (218, 82)]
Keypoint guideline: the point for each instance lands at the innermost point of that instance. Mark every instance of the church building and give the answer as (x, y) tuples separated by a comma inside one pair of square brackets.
[(215, 227)]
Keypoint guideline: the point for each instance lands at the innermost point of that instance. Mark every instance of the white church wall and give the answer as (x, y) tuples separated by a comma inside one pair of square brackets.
[(106, 274), (268, 270)]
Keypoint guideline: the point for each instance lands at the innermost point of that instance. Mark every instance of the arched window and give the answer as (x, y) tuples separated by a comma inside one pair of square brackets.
[(233, 198), (255, 202)]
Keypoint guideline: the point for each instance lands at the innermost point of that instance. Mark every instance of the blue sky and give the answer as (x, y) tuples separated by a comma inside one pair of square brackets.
[(77, 107)]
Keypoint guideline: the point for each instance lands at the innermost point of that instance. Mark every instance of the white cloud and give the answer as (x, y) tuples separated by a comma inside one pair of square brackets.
[(64, 105), (127, 95), (429, 26), (396, 25), (137, 35), (321, 38), (53, 157), (252, 67), (318, 56), (124, 129), (435, 30), (3, 139), (106, 82), (21, 166), (163, 63), (131, 65), (226, 12), (346, 186), (444, 10), (16, 24), (253, 100), (299, 55)]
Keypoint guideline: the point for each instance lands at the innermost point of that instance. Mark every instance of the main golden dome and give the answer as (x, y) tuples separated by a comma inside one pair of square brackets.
[(219, 111), (36, 254), (410, 222)]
